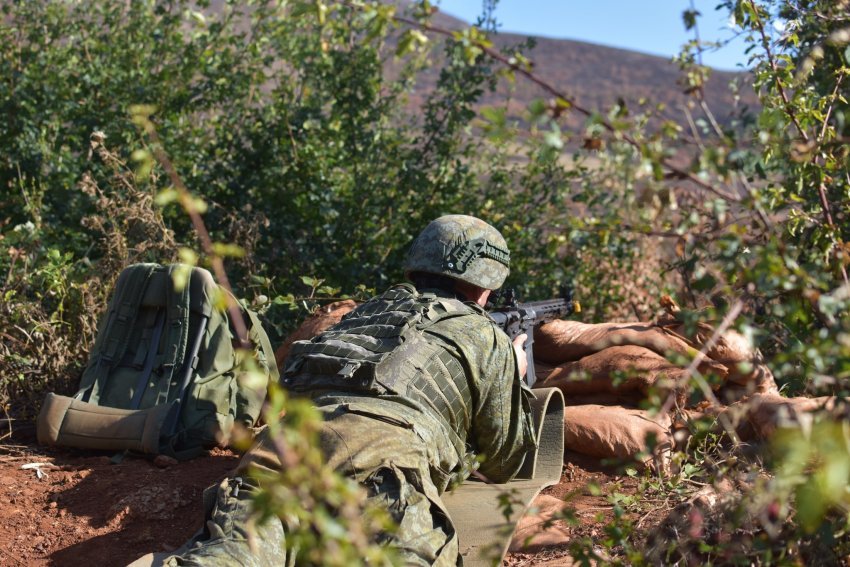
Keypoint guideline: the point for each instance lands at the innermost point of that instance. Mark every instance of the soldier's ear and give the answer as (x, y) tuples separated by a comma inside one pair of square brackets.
[(485, 295), (472, 293)]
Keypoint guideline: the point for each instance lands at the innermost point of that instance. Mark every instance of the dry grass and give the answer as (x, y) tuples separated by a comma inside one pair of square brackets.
[(52, 303)]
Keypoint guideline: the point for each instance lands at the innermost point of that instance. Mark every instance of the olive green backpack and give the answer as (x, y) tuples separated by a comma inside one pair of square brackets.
[(164, 375)]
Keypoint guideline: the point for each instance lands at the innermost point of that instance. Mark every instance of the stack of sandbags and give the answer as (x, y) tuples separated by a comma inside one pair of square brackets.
[(323, 318), (567, 349), (746, 372), (606, 370), (626, 359)]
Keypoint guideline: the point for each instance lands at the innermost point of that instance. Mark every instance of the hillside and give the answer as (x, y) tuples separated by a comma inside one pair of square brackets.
[(596, 76)]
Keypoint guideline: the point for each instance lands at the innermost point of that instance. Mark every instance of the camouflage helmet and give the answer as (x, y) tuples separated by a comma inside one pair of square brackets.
[(461, 247)]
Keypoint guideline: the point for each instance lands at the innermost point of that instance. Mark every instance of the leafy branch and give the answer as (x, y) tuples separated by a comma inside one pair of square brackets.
[(758, 24), (141, 117), (562, 102)]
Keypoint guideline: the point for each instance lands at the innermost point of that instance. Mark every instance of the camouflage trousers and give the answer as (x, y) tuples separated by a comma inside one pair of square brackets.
[(388, 459)]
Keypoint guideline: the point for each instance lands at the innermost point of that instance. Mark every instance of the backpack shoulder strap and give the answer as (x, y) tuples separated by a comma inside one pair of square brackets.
[(177, 332), (199, 312), (111, 342)]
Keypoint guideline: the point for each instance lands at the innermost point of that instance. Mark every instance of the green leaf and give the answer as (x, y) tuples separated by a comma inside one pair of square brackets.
[(553, 139), (494, 114), (166, 196), (690, 18), (537, 108), (405, 44), (198, 17), (188, 256), (228, 250)]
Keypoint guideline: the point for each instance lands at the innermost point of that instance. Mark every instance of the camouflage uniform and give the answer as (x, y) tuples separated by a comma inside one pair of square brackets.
[(406, 428)]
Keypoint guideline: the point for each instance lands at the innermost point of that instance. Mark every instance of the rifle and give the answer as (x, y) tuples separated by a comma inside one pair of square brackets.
[(516, 318)]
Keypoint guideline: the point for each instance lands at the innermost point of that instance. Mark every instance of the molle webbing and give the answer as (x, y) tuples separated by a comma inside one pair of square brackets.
[(449, 394), (139, 370), (111, 343), (380, 349)]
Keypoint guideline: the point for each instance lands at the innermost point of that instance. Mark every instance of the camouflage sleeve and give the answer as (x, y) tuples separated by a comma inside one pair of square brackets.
[(502, 429)]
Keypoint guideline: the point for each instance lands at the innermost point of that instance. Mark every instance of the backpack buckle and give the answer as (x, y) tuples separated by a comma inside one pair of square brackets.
[(349, 369)]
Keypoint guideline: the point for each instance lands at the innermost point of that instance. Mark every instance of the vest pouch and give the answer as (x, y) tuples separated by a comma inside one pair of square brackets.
[(74, 423), (317, 371)]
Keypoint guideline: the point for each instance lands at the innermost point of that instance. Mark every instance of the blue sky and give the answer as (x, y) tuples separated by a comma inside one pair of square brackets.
[(649, 26)]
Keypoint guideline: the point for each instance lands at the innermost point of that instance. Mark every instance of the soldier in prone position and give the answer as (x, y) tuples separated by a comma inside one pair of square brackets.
[(412, 385)]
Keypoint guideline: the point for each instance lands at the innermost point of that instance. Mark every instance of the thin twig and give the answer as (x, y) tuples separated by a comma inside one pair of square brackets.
[(693, 372), (817, 159), (663, 505), (771, 59), (694, 130), (695, 482), (701, 92), (829, 110), (288, 459), (711, 119), (792, 115), (8, 419), (189, 206)]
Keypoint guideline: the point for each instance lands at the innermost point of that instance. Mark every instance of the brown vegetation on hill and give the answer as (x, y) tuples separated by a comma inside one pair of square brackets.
[(598, 76)]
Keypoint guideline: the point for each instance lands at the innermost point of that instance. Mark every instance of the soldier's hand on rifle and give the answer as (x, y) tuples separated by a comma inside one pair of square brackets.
[(522, 360)]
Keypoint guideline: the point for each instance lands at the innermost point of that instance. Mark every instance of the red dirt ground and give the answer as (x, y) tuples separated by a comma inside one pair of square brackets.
[(88, 511)]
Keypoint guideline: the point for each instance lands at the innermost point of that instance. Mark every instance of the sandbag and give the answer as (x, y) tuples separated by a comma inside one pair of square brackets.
[(736, 352), (562, 341), (539, 528), (602, 372), (324, 318), (542, 370), (616, 432), (731, 349), (602, 399), (762, 382), (757, 417)]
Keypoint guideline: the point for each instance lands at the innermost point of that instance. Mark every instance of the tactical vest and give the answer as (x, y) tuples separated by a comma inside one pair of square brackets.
[(381, 349)]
